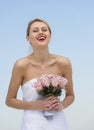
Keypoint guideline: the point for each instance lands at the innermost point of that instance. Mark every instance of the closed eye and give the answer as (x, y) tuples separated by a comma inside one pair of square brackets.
[(35, 30), (44, 30)]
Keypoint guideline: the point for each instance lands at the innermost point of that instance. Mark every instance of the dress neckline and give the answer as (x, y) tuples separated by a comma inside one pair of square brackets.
[(28, 81), (31, 80)]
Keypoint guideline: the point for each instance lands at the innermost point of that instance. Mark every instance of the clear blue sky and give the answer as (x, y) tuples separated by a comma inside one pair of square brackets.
[(72, 24)]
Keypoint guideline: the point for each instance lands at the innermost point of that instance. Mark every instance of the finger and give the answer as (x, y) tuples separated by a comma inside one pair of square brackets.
[(54, 100), (59, 107), (56, 108), (54, 105), (54, 97), (49, 98)]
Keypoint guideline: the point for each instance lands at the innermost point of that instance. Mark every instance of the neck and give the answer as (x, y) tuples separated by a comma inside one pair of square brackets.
[(41, 55)]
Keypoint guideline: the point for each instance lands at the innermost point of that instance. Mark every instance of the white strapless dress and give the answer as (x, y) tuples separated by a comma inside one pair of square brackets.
[(34, 119)]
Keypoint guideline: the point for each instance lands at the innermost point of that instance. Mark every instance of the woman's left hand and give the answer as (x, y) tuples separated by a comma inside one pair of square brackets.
[(59, 106)]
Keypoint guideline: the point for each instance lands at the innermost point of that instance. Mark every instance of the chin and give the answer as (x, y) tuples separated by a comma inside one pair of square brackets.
[(42, 43)]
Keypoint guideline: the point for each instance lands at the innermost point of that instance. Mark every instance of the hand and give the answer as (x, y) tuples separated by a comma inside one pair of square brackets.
[(55, 104), (46, 103), (59, 107)]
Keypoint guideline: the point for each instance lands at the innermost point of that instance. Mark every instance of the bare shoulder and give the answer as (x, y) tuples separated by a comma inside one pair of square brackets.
[(62, 60), (18, 70), (21, 63), (64, 65)]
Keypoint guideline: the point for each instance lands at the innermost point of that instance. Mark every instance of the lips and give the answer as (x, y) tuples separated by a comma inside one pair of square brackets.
[(41, 38)]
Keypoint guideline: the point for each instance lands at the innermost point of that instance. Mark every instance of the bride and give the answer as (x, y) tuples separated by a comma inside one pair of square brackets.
[(24, 74)]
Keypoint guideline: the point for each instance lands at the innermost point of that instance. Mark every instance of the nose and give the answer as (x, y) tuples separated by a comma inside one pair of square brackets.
[(40, 31)]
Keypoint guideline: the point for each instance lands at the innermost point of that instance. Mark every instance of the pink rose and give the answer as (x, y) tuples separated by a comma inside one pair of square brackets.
[(58, 77), (54, 81), (50, 76), (45, 81), (38, 85), (62, 82)]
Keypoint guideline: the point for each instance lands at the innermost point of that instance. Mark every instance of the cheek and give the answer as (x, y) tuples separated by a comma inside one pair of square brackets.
[(32, 38), (49, 36), (48, 33)]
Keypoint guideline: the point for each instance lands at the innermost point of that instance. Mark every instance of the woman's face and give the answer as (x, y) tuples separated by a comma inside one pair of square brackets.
[(39, 34)]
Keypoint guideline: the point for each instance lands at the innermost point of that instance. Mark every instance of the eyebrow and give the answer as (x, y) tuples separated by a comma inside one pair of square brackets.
[(38, 27)]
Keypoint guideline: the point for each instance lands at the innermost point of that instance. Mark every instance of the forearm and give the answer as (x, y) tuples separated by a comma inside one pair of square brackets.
[(67, 101), (42, 104), (19, 104)]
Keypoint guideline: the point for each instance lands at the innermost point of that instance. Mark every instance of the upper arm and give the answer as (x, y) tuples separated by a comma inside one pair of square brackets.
[(68, 75), (16, 80), (67, 72)]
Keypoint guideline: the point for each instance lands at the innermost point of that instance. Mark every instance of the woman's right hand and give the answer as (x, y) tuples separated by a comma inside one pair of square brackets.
[(46, 103)]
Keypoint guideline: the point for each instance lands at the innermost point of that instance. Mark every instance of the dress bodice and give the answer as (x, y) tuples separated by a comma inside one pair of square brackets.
[(29, 92)]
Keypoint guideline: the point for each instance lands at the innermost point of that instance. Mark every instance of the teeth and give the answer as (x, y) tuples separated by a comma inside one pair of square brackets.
[(41, 38)]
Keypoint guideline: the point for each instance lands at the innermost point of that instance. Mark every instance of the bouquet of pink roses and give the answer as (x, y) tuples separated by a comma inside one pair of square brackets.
[(48, 85)]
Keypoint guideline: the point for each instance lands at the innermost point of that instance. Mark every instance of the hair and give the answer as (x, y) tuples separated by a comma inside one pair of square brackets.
[(35, 20)]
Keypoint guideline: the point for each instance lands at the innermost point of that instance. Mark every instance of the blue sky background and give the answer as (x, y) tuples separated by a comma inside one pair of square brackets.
[(72, 24)]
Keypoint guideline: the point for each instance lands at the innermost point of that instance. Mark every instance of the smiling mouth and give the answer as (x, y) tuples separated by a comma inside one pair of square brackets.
[(41, 38)]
